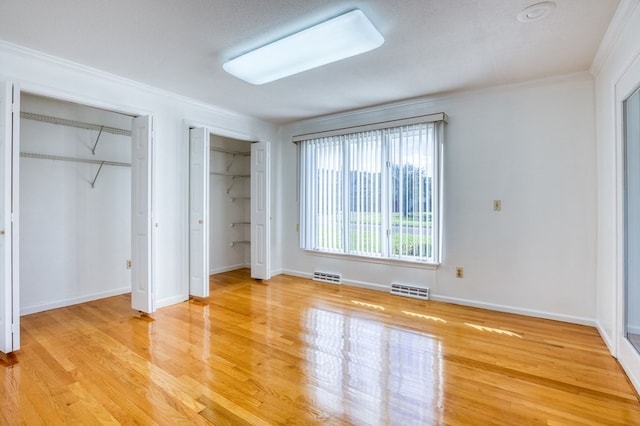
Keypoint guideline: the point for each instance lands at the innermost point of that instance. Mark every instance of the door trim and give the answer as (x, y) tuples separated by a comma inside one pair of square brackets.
[(224, 132), (627, 355), (61, 95)]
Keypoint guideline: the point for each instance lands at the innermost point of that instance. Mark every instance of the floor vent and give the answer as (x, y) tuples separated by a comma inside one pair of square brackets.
[(410, 291), (326, 277)]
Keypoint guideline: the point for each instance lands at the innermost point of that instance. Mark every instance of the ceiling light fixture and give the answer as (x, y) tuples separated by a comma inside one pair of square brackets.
[(536, 11), (330, 41)]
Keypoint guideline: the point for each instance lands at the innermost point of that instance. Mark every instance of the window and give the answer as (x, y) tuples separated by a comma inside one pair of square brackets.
[(373, 193)]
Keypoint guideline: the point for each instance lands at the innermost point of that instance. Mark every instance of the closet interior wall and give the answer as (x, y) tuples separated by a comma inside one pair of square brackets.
[(229, 204), (75, 239)]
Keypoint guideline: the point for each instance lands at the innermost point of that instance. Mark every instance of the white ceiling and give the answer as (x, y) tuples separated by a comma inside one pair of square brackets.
[(431, 46)]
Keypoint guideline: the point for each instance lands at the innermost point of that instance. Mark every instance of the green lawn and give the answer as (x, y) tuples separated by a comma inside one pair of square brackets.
[(412, 219), (364, 242)]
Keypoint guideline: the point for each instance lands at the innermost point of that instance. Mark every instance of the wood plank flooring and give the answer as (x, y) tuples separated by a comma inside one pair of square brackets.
[(295, 352)]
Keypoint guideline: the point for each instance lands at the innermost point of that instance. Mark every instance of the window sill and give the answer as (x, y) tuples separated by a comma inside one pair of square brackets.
[(376, 260)]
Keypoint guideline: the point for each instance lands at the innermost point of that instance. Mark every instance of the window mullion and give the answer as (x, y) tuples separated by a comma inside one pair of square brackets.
[(436, 187), (325, 175), (423, 174), (308, 196), (385, 199), (346, 190), (378, 190)]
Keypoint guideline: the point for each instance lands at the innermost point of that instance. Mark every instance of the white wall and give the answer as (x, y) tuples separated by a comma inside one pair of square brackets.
[(224, 211), (74, 239), (620, 48), (531, 146), (45, 75)]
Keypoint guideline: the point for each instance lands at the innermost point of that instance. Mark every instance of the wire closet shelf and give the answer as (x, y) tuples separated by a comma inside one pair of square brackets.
[(81, 125)]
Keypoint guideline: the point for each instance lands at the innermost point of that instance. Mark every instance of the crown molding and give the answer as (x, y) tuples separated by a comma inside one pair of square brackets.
[(28, 53), (417, 106), (619, 21)]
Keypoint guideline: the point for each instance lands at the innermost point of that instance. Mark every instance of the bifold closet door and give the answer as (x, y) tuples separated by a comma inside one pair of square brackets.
[(260, 214), (142, 279), (9, 287), (199, 212)]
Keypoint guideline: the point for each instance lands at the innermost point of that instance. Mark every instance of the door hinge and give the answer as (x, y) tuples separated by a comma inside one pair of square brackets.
[(14, 107), (13, 328)]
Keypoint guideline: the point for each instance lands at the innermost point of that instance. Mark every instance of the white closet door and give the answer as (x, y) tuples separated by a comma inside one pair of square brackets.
[(199, 212), (9, 287), (260, 212), (142, 279)]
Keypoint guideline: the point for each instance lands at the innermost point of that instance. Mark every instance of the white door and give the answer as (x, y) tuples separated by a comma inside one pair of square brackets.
[(260, 212), (9, 287), (142, 279), (199, 212)]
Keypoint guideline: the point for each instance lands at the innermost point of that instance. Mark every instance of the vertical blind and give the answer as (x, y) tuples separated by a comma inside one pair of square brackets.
[(373, 193)]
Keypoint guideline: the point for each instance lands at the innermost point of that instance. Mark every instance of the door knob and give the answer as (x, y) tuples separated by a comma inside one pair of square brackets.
[(1, 231), (200, 221)]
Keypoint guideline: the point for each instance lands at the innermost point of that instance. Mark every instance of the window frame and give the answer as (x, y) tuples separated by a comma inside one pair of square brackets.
[(439, 120)]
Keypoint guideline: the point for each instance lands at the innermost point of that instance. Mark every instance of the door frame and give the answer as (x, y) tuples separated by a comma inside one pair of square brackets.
[(228, 133), (61, 95), (626, 354)]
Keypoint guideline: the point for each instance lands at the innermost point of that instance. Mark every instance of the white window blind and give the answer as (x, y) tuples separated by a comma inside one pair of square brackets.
[(373, 193)]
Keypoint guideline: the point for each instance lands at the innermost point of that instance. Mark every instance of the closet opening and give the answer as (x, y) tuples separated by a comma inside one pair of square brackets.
[(228, 207), (75, 186), (229, 204)]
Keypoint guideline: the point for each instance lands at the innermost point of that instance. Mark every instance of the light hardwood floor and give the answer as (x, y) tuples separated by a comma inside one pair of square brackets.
[(292, 351)]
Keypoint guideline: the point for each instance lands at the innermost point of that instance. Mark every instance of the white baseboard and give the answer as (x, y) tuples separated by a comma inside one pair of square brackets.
[(354, 283), (277, 272), (227, 268), (607, 339), (465, 302), (26, 310), (515, 310), (629, 360), (368, 286), (170, 301), (295, 273)]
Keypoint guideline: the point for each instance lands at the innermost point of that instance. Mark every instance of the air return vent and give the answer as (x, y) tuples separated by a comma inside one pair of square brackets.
[(409, 291), (326, 277)]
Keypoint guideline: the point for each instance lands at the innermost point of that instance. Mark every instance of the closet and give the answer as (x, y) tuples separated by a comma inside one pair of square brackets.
[(229, 204), (75, 203)]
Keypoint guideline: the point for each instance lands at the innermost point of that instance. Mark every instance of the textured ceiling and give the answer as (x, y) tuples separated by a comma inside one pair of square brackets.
[(431, 46)]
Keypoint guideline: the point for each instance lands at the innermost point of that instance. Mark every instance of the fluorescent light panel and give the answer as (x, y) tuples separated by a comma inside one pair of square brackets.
[(330, 41)]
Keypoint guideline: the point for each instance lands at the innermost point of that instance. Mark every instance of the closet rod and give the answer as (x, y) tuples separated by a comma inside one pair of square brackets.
[(73, 159), (74, 123), (226, 151)]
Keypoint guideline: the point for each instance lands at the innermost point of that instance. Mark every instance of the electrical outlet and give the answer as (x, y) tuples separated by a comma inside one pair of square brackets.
[(129, 264), (497, 205), (459, 272)]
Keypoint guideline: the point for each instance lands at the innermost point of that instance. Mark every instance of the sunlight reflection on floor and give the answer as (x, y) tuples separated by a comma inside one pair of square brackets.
[(362, 369)]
